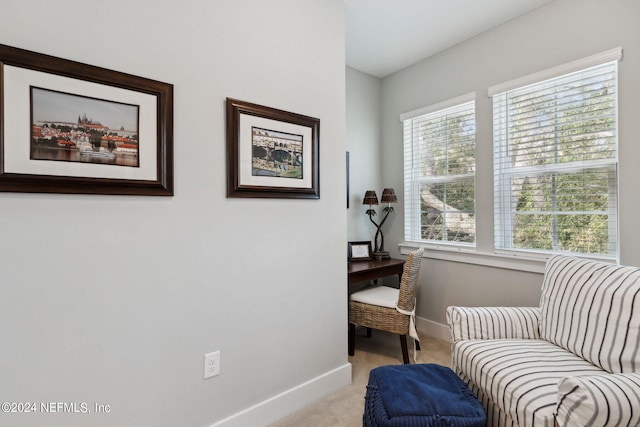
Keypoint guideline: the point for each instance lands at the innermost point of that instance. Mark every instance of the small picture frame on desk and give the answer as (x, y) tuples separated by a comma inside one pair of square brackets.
[(360, 251)]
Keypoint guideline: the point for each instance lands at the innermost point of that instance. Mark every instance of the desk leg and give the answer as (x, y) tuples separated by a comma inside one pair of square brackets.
[(352, 338)]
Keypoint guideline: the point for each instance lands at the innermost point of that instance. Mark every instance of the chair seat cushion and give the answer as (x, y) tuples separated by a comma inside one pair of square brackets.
[(420, 395), (382, 296)]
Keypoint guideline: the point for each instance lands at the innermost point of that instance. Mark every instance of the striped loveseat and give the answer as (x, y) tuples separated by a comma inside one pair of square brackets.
[(573, 361)]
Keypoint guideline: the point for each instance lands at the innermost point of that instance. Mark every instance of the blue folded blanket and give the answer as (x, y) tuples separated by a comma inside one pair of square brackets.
[(429, 392)]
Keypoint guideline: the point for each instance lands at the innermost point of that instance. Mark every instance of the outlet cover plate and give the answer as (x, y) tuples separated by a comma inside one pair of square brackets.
[(211, 364)]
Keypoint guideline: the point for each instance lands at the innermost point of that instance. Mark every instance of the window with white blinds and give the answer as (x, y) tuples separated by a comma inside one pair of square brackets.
[(555, 164), (439, 173)]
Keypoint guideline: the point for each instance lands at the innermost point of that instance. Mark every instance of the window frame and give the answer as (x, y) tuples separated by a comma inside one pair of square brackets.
[(413, 181), (503, 215), (485, 254)]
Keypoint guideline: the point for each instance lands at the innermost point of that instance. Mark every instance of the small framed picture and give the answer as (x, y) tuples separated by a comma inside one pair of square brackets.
[(271, 153), (360, 251)]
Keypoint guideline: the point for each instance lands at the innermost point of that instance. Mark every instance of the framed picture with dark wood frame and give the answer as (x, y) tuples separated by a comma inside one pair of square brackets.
[(69, 127), (271, 153), (360, 251)]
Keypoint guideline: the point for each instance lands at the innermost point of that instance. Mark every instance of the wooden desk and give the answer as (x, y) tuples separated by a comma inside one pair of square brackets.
[(362, 271)]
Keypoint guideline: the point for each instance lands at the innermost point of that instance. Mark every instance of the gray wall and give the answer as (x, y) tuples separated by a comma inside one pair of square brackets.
[(557, 33), (114, 299), (364, 138)]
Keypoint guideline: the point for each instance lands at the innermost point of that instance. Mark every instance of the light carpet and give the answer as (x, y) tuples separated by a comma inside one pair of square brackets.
[(344, 407)]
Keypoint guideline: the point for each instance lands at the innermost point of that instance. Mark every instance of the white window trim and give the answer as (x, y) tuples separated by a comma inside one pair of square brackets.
[(570, 67), (513, 261), (508, 260), (462, 99)]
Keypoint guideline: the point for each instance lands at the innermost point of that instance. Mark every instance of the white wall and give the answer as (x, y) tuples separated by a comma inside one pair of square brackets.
[(364, 138), (557, 33), (114, 299)]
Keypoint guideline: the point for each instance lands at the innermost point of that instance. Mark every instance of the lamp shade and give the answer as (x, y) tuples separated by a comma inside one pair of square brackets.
[(389, 196), (370, 198)]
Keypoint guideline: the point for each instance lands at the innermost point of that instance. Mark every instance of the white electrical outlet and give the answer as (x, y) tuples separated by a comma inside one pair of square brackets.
[(211, 364)]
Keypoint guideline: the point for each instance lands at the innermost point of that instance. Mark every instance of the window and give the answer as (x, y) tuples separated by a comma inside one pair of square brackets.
[(439, 172), (555, 164)]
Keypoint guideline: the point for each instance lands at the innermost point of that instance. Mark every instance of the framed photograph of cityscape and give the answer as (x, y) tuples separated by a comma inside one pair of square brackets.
[(271, 153), (68, 127)]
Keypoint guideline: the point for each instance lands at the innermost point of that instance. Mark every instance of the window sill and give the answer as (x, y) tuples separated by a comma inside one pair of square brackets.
[(521, 262)]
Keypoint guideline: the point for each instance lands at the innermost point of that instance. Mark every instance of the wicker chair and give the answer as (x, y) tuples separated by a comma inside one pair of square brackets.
[(388, 309)]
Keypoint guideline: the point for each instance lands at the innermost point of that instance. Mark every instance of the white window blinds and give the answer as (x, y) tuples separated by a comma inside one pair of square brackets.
[(555, 164), (439, 173)]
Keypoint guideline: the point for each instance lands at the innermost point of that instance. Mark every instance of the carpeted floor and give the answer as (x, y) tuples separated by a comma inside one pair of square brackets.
[(344, 407)]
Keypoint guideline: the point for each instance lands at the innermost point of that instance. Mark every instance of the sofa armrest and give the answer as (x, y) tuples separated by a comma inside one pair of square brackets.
[(599, 400), (477, 323)]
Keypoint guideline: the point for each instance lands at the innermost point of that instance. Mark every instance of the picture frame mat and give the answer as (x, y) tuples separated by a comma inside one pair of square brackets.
[(360, 251), (247, 122), (17, 125)]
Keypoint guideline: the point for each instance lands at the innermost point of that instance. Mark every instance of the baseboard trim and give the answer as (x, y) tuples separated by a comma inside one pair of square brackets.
[(288, 402), (432, 329)]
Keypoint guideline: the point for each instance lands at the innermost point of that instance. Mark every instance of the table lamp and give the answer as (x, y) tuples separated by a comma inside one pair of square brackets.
[(370, 198)]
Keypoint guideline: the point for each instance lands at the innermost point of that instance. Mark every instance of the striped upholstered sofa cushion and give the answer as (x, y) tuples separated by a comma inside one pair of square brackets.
[(514, 374), (592, 309), (517, 380), (571, 362), (599, 400), (487, 323)]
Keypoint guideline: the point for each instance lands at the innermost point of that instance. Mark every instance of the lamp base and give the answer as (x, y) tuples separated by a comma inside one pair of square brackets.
[(381, 255)]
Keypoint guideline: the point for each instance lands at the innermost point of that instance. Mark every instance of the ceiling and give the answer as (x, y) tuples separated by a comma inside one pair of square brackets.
[(384, 36)]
